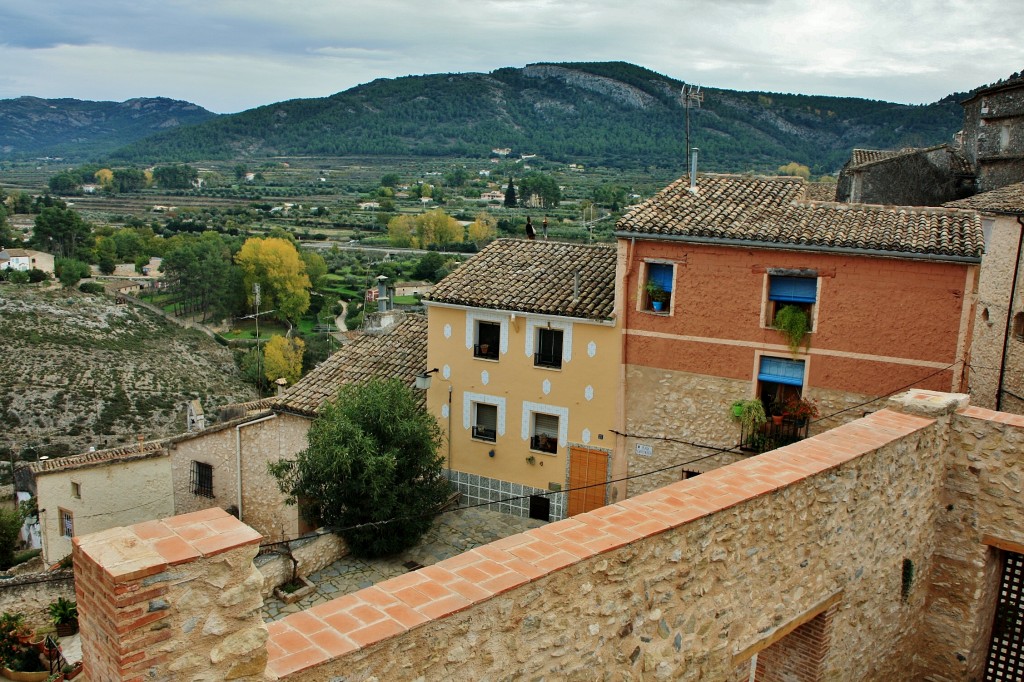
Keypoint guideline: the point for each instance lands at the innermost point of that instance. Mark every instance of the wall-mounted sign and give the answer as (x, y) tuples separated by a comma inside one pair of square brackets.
[(644, 450)]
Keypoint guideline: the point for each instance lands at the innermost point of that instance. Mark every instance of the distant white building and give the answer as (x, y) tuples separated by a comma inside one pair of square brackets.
[(25, 260)]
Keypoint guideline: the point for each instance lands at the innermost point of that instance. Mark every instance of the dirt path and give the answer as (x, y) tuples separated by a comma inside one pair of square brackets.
[(340, 319)]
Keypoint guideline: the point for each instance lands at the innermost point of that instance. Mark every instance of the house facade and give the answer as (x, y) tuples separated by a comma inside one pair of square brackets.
[(997, 348), (913, 176), (886, 295), (75, 497), (993, 134), (526, 346), (25, 260)]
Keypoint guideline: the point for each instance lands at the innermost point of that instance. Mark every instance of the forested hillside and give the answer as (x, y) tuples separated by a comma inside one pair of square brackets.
[(613, 114), (30, 126)]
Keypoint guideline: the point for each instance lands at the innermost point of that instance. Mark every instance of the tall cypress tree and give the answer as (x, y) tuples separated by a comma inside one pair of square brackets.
[(510, 194)]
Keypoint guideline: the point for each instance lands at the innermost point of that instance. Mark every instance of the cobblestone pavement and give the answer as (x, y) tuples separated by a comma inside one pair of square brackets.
[(453, 533)]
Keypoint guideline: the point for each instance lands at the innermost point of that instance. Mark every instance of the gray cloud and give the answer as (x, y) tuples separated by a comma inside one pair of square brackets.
[(231, 55)]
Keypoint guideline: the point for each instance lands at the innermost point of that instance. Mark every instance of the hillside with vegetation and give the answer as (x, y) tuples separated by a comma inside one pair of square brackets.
[(81, 371), (612, 114), (30, 126)]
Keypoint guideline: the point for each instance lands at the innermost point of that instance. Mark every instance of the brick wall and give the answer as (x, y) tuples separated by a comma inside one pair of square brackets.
[(171, 599)]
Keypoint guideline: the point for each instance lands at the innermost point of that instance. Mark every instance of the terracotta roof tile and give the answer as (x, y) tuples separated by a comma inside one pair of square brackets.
[(535, 277), (771, 211), (153, 448), (820, 191), (400, 352), (1009, 199)]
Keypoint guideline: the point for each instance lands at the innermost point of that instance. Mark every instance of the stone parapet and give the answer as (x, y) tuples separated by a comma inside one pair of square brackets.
[(177, 598)]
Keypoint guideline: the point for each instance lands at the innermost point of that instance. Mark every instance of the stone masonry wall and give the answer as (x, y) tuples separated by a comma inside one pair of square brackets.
[(173, 599), (683, 582), (32, 593), (314, 551)]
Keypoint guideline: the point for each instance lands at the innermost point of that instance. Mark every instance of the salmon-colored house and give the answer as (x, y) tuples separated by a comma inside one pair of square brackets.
[(886, 293)]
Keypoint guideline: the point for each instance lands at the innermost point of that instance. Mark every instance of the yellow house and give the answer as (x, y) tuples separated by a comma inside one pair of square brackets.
[(524, 348)]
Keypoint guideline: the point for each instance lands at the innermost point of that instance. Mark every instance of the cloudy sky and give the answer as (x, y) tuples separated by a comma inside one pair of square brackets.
[(229, 55)]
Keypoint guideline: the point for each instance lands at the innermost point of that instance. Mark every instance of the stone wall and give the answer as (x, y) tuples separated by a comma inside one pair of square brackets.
[(173, 599), (315, 551), (994, 135), (32, 593), (681, 583)]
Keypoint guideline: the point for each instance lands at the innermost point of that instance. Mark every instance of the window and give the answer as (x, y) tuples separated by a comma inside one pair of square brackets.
[(485, 421), (657, 296), (545, 433), (778, 380), (488, 340), (1018, 326), (202, 479), (67, 523), (785, 290), (548, 352), (76, 490)]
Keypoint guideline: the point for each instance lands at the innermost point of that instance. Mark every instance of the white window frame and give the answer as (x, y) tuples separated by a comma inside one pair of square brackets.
[(533, 338), (529, 408), (469, 399), (472, 317), (643, 303), (475, 422)]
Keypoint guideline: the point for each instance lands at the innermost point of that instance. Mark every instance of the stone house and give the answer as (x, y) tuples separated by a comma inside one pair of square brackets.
[(98, 490), (993, 133), (887, 295), (525, 342), (25, 260), (997, 348), (907, 177)]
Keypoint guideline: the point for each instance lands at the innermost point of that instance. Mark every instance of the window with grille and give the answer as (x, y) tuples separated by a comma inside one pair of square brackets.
[(485, 421), (67, 523), (545, 433), (549, 348), (202, 479)]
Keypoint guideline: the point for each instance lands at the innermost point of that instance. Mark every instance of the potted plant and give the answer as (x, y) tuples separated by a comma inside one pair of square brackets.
[(752, 414), (736, 409), (776, 410), (792, 321), (657, 294), (801, 410), (71, 670), (64, 614)]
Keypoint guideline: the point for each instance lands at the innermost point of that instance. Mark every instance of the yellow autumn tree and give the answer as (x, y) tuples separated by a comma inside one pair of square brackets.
[(105, 177), (283, 358), (797, 169), (483, 229), (437, 227), (402, 230), (276, 266)]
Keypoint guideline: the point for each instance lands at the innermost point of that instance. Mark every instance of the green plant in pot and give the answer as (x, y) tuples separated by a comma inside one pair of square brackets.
[(64, 614), (752, 415), (792, 321), (659, 297)]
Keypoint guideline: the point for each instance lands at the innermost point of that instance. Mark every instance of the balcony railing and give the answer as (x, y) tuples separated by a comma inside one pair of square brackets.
[(486, 350), (547, 360), (483, 433), (765, 437), (548, 444)]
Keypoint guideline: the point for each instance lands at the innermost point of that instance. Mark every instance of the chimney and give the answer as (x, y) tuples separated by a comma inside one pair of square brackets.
[(693, 169), (382, 294), (576, 285)]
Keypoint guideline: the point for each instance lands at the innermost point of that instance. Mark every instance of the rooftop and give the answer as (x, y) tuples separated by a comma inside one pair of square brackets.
[(1008, 199), (535, 277), (153, 448), (773, 213), (864, 158), (401, 353)]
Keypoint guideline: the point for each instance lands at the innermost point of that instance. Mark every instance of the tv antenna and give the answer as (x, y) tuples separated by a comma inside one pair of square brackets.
[(692, 98)]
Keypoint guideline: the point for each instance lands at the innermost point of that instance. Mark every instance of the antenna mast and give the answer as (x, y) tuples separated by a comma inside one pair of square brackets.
[(692, 99)]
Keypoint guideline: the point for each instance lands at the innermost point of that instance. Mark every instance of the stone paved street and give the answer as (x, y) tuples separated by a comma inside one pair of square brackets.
[(453, 533)]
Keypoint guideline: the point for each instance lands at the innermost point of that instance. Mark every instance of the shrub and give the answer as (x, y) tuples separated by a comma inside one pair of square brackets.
[(10, 527), (91, 288)]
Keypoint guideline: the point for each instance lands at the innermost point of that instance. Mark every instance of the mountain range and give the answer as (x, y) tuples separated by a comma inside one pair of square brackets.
[(609, 113)]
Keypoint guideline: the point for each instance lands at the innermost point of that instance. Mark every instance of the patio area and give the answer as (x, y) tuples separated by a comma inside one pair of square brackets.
[(453, 532)]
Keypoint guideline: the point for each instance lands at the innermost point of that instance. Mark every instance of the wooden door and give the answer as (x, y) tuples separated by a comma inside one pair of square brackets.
[(588, 480)]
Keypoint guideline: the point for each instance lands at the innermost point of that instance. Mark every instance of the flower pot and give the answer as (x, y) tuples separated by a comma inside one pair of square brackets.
[(295, 595), (737, 409), (657, 306), (67, 629), (777, 419), (20, 676)]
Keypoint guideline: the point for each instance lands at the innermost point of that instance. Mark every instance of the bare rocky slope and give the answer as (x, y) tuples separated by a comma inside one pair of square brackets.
[(80, 371)]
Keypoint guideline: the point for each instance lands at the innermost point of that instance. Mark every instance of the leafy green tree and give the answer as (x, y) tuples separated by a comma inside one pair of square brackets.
[(62, 232), (8, 237), (372, 468), (70, 271), (10, 528), (456, 177), (17, 276), (390, 180), (316, 268), (510, 194), (106, 254), (542, 186), (128, 180), (178, 176), (428, 266), (65, 183)]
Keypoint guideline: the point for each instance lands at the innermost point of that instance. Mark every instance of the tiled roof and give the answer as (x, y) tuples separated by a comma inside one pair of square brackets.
[(399, 353), (862, 158), (1009, 199), (770, 212), (153, 448), (820, 191), (535, 277)]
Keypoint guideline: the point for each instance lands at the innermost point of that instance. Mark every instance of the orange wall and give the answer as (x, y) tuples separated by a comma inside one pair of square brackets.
[(875, 306)]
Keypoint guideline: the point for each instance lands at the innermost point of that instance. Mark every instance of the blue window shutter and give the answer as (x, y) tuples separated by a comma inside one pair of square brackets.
[(781, 371), (793, 289), (660, 273)]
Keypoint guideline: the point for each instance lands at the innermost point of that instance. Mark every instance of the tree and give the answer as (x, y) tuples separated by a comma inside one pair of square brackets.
[(62, 232), (65, 183), (428, 266), (796, 169), (483, 229), (129, 180), (8, 237), (371, 469), (510, 194), (275, 265), (437, 227), (402, 230), (543, 187), (106, 254), (390, 180), (70, 271), (10, 528), (316, 267), (178, 176), (283, 358), (456, 177), (105, 177)]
